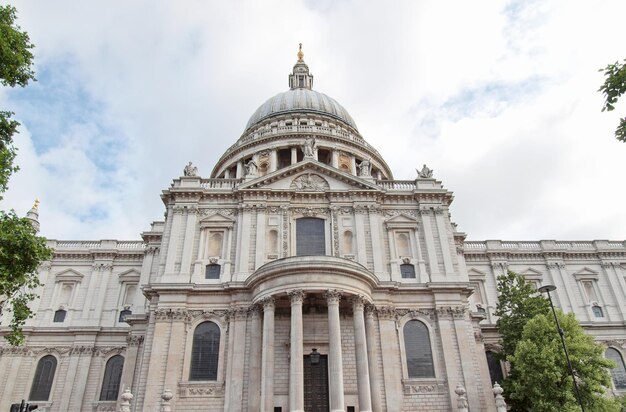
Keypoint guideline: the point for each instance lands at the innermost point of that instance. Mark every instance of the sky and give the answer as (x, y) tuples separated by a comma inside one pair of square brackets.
[(499, 98)]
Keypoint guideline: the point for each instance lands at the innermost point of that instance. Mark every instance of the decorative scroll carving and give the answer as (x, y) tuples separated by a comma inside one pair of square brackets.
[(358, 302), (254, 311), (201, 389), (386, 312), (414, 313), (108, 350), (268, 303), (310, 211), (221, 314), (103, 406), (134, 340), (418, 389), (449, 312), (211, 212), (332, 296), (45, 266), (285, 213), (239, 313), (102, 267), (296, 295), (396, 212), (335, 227), (310, 182)]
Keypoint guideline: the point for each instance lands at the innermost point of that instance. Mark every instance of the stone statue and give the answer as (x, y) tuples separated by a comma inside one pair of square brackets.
[(308, 148), (425, 173), (251, 168), (190, 170), (365, 168)]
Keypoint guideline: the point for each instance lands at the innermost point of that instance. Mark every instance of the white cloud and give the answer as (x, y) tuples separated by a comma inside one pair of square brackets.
[(498, 97)]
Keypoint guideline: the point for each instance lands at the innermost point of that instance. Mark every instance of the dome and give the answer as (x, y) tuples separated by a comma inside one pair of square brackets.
[(304, 100)]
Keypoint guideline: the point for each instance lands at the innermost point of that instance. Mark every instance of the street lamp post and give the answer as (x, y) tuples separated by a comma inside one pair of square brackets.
[(547, 289)]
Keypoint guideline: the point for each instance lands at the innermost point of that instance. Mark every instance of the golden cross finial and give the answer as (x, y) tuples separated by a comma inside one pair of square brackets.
[(300, 53), (36, 205)]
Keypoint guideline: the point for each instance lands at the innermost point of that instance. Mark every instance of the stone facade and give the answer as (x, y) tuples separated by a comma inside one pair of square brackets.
[(299, 242)]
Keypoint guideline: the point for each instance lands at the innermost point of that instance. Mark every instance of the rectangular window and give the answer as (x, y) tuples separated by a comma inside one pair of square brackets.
[(407, 271), (310, 237), (212, 271)]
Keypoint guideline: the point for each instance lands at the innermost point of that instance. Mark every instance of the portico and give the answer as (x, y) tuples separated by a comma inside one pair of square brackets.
[(300, 287)]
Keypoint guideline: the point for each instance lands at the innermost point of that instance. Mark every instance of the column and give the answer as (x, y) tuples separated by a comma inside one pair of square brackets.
[(334, 159), (360, 349), (296, 362), (444, 241), (239, 170), (273, 161), (267, 357), (294, 155), (130, 361), (335, 363), (372, 356), (237, 347)]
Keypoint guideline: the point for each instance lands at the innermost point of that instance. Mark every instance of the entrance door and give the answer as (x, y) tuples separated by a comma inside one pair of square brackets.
[(316, 385)]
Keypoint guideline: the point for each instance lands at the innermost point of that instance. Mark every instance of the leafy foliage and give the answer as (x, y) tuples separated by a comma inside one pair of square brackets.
[(615, 86), (21, 250), (518, 302), (16, 61), (543, 379)]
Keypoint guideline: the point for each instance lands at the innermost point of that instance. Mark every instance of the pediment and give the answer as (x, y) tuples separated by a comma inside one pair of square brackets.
[(402, 218), (474, 273), (131, 275), (530, 273), (69, 275), (216, 220), (586, 273), (309, 176)]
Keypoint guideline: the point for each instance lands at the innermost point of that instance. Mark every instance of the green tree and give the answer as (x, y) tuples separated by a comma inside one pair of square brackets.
[(21, 250), (614, 86), (543, 379), (518, 302)]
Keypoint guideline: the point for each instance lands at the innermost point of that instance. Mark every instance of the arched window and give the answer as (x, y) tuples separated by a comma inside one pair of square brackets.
[(619, 371), (310, 237), (205, 352), (212, 271), (59, 316), (419, 355), (44, 376), (597, 311), (495, 368), (407, 271), (112, 377)]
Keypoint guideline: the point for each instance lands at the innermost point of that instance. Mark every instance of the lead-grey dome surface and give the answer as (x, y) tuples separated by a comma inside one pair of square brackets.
[(303, 100)]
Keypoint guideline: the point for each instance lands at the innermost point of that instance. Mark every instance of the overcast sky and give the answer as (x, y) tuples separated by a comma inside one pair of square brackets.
[(499, 98)]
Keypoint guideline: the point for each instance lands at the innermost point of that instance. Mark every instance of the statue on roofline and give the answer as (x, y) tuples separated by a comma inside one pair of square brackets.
[(190, 170)]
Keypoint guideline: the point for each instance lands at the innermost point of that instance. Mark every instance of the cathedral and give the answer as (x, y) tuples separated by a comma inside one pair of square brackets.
[(298, 276)]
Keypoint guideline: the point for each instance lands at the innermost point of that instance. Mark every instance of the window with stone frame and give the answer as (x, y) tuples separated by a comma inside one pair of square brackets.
[(43, 379), (310, 236), (112, 378), (418, 351), (407, 271), (618, 373), (205, 352), (212, 271), (597, 311), (59, 316)]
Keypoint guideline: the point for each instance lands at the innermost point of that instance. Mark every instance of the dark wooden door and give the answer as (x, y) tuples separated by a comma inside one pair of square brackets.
[(316, 385)]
